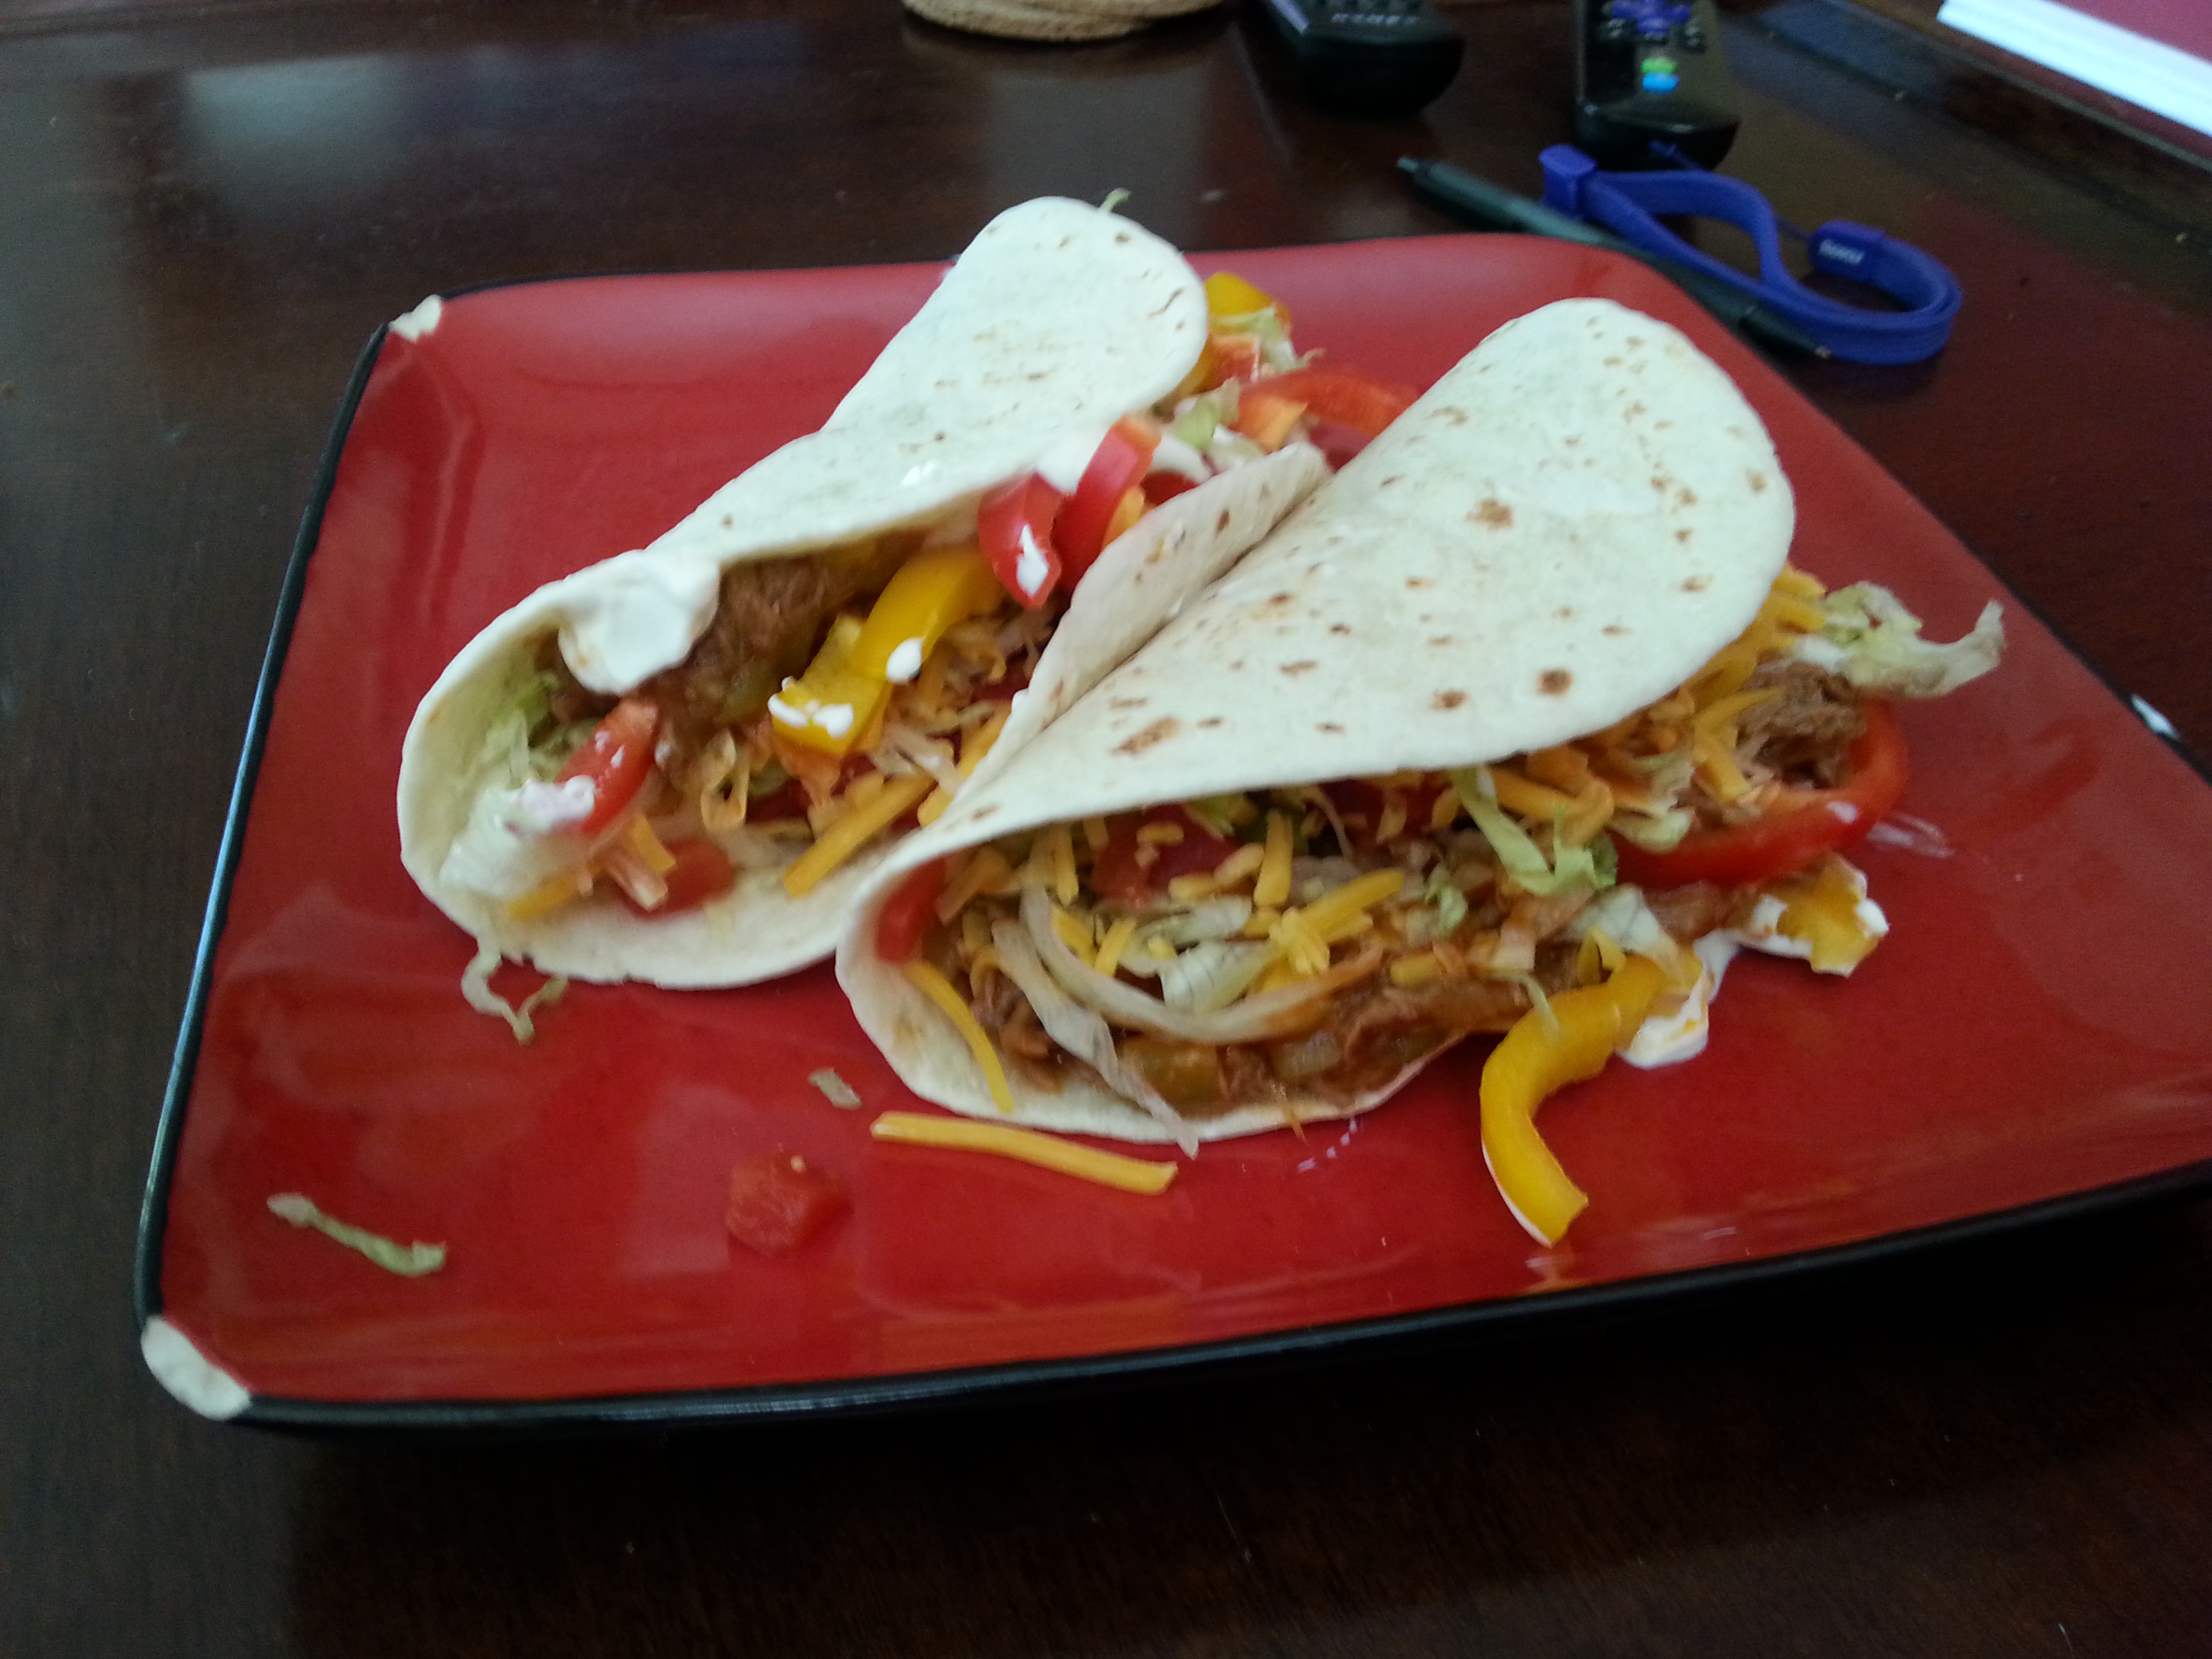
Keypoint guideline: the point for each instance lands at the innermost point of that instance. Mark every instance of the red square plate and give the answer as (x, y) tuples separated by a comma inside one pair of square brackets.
[(1994, 1060)]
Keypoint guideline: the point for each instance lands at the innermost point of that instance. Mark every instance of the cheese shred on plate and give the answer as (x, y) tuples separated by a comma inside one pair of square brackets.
[(1130, 1175)]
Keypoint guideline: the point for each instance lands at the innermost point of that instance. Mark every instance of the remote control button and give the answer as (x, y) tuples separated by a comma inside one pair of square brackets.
[(1691, 39)]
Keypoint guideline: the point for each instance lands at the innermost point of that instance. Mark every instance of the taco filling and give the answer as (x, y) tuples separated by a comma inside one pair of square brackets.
[(1304, 948), (841, 694)]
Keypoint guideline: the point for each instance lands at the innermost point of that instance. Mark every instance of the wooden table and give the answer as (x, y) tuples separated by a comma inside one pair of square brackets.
[(2002, 1449)]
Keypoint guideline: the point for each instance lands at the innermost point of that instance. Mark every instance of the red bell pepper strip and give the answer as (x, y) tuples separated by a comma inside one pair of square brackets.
[(1340, 395), (1014, 527), (1815, 821), (1119, 463)]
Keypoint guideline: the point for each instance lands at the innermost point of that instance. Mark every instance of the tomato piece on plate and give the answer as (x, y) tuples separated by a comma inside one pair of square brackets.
[(1014, 527), (907, 913), (1341, 395), (1121, 874), (616, 760), (1815, 821), (1118, 465), (702, 870), (778, 1201)]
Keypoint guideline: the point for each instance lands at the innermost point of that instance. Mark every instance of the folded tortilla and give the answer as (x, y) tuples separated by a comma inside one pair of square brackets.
[(1563, 530), (1059, 320)]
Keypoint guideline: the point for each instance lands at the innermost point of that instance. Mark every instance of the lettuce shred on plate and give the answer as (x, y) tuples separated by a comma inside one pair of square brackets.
[(408, 1260)]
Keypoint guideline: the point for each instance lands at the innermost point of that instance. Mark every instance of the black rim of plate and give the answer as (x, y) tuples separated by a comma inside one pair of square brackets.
[(786, 1401)]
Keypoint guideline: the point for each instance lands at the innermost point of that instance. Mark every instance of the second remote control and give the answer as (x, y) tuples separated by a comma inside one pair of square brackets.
[(1369, 56), (1649, 73)]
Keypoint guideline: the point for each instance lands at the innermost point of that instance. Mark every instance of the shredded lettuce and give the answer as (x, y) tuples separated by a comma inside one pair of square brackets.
[(1442, 894), (1622, 915), (1659, 832), (838, 1092), (1217, 813), (1211, 975), (1539, 999), (1872, 641), (408, 1260), (1200, 416), (1569, 866), (1276, 354), (476, 986), (524, 743)]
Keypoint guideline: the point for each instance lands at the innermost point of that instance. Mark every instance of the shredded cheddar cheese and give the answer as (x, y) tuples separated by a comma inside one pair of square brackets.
[(1117, 938), (939, 989), (846, 836), (1274, 885), (1130, 1175)]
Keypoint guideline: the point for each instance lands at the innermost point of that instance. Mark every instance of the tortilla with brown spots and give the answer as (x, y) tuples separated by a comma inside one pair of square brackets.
[(1571, 521)]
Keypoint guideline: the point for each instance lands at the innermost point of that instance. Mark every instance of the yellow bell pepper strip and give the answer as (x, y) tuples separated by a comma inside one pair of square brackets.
[(849, 833), (1534, 1060), (1228, 295), (936, 588), (833, 704), (1822, 909)]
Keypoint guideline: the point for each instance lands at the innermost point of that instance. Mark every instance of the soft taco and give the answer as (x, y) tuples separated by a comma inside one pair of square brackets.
[(680, 765), (1518, 726)]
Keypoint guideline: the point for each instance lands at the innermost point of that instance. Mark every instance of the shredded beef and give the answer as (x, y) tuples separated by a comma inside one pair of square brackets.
[(1391, 1026), (767, 623), (1689, 912), (1804, 731)]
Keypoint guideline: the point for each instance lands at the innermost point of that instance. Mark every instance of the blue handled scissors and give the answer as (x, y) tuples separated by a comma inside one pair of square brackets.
[(1628, 203)]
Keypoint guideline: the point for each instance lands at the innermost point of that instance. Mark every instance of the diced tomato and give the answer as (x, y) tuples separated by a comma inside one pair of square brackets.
[(1361, 806), (1166, 486), (616, 759), (702, 870), (778, 1201), (1341, 395), (907, 913), (1118, 463), (1815, 821), (1014, 527), (1119, 875)]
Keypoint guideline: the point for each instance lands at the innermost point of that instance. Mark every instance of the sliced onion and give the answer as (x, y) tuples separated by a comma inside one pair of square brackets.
[(1079, 1031), (1271, 1014)]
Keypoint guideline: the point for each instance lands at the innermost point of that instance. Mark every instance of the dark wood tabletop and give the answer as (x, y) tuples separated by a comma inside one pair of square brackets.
[(1998, 1447)]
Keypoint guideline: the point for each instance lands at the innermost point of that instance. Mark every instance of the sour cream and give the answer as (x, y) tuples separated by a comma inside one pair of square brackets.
[(639, 614), (1681, 1033)]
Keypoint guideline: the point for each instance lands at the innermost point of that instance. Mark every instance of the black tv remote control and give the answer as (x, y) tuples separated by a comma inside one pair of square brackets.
[(1648, 77), (1369, 56)]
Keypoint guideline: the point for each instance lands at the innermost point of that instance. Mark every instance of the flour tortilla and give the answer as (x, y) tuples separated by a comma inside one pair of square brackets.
[(1057, 320), (1568, 525)]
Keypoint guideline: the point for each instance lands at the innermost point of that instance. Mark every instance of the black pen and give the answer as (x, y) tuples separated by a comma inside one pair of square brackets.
[(1476, 198)]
